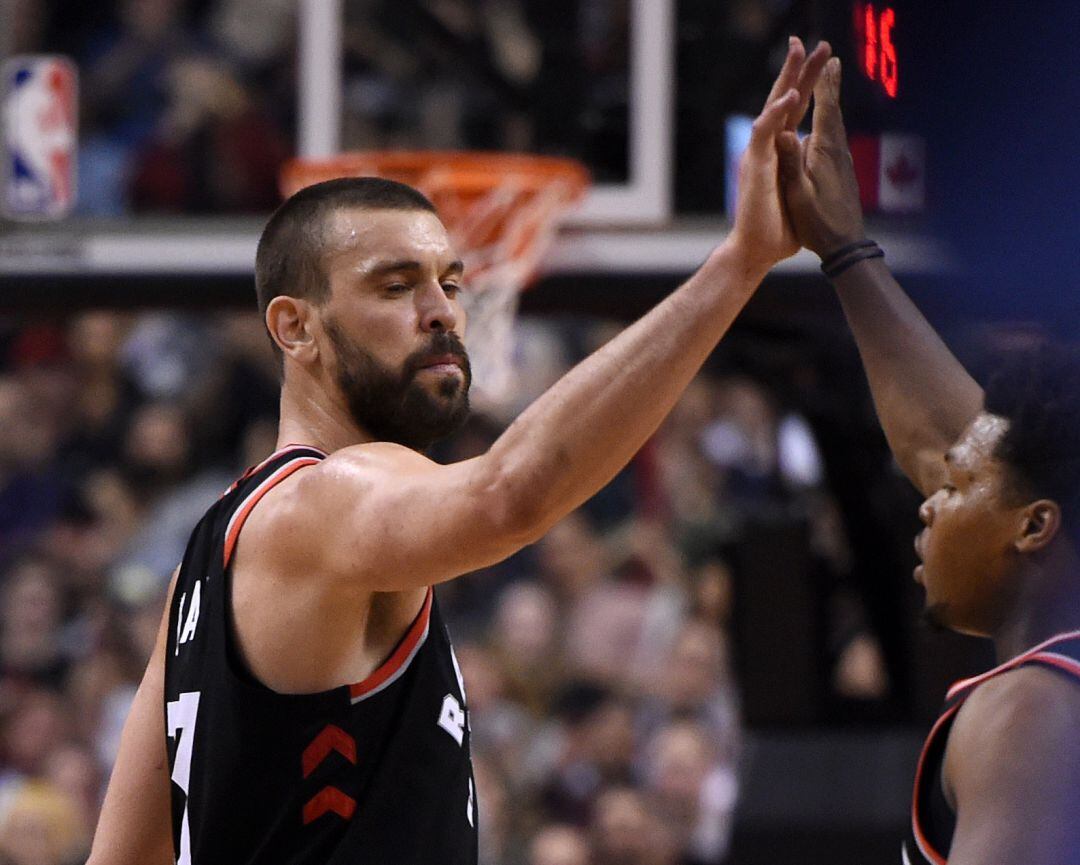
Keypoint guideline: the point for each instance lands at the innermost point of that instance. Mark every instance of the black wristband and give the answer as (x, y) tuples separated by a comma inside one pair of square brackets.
[(827, 261), (861, 254)]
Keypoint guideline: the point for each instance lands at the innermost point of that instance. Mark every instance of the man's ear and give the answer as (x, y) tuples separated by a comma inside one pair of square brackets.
[(289, 321), (1040, 523)]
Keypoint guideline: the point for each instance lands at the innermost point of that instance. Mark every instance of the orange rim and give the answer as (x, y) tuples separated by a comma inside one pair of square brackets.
[(465, 172)]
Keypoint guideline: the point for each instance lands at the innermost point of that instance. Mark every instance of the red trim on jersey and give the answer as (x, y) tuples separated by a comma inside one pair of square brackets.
[(281, 452), (1062, 662), (329, 799), (1008, 665), (232, 531), (399, 659), (929, 853), (332, 738)]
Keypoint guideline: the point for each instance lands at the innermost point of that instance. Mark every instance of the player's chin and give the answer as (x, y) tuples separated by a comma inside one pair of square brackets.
[(935, 615), (450, 391)]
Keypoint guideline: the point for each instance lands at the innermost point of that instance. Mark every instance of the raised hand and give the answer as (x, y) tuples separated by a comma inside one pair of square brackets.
[(817, 174), (761, 228)]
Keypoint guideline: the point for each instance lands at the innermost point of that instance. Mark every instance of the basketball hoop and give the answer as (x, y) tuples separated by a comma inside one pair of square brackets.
[(501, 210)]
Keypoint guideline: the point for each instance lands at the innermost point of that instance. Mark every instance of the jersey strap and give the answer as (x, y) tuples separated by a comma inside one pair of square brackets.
[(1061, 651), (288, 460)]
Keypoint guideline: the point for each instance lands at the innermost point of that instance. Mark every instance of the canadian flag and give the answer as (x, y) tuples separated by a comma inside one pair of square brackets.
[(891, 170)]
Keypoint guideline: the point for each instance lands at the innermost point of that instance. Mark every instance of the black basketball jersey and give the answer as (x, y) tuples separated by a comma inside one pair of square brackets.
[(932, 818), (374, 772)]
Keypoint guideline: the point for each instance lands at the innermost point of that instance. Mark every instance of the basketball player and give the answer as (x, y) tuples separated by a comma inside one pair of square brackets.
[(313, 708), (999, 777)]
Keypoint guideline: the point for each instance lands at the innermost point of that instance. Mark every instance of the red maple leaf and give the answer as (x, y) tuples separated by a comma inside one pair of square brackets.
[(903, 171)]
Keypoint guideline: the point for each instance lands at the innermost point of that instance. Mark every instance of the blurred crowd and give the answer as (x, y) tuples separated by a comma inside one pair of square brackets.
[(598, 663), (189, 106)]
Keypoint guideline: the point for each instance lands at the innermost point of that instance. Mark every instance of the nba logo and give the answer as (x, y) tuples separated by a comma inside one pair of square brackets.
[(40, 129)]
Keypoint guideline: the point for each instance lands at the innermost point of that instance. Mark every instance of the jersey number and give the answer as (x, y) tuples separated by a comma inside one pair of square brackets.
[(182, 715)]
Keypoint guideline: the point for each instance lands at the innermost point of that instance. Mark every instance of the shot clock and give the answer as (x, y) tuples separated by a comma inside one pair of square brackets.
[(875, 49), (881, 45), (887, 48)]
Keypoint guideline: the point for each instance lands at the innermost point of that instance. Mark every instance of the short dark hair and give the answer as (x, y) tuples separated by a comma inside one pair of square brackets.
[(1038, 392), (289, 256)]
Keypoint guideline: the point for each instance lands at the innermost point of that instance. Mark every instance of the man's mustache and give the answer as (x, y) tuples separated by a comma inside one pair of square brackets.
[(441, 344)]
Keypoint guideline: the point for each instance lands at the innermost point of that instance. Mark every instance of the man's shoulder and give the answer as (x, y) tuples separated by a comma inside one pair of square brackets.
[(1016, 721), (1024, 700), (293, 520)]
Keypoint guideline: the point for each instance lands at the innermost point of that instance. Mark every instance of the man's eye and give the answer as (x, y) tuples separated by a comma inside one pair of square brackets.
[(451, 288), (949, 488), (397, 288)]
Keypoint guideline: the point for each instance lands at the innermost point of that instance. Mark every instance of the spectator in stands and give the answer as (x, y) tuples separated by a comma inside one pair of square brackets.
[(39, 825), (213, 150), (559, 844), (30, 730), (73, 768), (595, 749), (524, 638), (126, 68), (32, 490), (626, 832), (103, 394), (31, 609), (692, 791)]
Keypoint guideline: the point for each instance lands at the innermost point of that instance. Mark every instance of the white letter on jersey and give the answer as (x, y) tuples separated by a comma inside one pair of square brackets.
[(192, 616), (452, 718)]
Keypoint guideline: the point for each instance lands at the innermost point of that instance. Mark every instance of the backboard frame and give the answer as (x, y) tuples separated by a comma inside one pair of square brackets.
[(646, 197)]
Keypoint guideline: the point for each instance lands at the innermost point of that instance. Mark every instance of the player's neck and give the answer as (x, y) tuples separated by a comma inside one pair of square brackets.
[(1048, 605), (311, 417)]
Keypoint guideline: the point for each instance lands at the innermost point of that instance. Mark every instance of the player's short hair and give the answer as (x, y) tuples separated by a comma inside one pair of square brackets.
[(1038, 392), (289, 257)]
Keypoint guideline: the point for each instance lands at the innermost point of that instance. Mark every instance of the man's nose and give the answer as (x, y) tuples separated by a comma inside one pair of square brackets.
[(437, 311)]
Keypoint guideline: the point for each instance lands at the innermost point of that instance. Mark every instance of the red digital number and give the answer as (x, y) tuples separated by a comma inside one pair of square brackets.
[(889, 66), (877, 52), (870, 51)]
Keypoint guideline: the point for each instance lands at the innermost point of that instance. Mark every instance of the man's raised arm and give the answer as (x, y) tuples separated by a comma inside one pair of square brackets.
[(424, 523), (924, 397)]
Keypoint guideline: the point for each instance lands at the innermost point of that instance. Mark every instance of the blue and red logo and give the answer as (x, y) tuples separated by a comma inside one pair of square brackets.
[(40, 137)]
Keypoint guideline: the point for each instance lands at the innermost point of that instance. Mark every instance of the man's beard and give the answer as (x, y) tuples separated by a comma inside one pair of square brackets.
[(395, 407)]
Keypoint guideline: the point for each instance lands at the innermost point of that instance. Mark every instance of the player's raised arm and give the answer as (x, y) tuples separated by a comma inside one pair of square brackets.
[(924, 397), (412, 522)]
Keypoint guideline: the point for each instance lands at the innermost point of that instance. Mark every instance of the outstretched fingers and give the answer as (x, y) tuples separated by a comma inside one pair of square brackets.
[(807, 81), (828, 122), (771, 121), (789, 72)]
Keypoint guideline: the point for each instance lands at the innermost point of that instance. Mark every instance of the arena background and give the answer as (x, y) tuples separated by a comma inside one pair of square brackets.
[(719, 658)]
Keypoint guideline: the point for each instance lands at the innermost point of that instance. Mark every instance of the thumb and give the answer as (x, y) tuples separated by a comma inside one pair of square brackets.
[(790, 157)]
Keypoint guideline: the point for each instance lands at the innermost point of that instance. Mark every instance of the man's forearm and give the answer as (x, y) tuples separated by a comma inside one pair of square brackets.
[(924, 397), (582, 431)]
